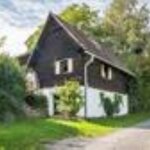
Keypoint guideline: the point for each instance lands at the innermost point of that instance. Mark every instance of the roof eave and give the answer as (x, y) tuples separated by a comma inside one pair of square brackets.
[(109, 63)]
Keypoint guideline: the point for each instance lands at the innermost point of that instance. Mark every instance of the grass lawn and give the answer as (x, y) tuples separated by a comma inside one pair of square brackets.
[(29, 134)]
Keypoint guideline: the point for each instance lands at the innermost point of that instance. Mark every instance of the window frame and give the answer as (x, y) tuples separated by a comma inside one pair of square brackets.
[(69, 63), (32, 79), (106, 72)]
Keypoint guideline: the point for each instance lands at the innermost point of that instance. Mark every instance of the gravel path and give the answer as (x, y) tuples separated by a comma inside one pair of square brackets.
[(135, 138)]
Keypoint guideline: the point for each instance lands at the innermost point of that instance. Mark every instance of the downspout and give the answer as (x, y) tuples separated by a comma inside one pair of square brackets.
[(87, 64)]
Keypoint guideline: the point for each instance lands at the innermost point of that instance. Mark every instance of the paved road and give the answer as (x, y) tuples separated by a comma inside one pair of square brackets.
[(135, 138)]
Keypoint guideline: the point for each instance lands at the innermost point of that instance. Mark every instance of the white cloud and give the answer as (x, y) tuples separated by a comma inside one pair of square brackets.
[(16, 38)]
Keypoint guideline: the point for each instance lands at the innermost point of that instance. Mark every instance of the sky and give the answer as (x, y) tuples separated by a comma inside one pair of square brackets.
[(20, 18)]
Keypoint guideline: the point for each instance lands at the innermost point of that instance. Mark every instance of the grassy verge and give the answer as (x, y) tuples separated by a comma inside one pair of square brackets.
[(27, 135)]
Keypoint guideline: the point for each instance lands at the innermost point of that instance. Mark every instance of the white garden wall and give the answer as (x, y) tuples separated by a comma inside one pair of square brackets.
[(48, 92), (94, 105)]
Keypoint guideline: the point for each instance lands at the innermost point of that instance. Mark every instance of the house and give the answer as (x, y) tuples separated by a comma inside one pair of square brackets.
[(64, 52)]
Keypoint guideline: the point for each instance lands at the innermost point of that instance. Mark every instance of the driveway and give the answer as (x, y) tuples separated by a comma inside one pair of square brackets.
[(135, 138)]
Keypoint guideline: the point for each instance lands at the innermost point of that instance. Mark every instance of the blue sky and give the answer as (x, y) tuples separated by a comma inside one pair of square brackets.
[(19, 18)]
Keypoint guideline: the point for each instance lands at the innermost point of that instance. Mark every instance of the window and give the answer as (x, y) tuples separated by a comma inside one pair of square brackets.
[(32, 81), (106, 72), (109, 73), (64, 66)]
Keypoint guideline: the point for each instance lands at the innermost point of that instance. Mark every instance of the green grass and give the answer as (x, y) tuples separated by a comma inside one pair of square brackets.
[(29, 134)]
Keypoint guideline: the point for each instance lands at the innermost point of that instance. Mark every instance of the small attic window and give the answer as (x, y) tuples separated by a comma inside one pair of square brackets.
[(64, 66), (106, 72)]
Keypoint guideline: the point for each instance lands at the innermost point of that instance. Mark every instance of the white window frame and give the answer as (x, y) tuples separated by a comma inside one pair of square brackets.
[(102, 71), (110, 73), (32, 80), (69, 66), (106, 75)]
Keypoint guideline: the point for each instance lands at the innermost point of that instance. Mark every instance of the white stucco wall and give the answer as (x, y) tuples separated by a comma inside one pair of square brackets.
[(48, 92), (94, 105)]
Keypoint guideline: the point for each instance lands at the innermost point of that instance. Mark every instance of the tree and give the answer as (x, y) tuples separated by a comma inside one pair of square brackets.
[(12, 88), (81, 16), (143, 80), (125, 26), (33, 39), (70, 98)]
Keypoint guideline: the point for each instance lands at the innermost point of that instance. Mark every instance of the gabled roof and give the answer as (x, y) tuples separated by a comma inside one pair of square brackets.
[(100, 51), (90, 46)]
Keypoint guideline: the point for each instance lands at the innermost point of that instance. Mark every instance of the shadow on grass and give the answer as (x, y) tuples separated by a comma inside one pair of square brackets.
[(32, 134)]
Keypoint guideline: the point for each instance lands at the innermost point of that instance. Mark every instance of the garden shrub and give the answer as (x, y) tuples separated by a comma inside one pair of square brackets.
[(70, 98), (12, 89), (37, 102), (111, 106)]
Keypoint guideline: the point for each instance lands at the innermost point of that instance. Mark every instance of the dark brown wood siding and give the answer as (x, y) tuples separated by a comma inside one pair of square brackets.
[(118, 82), (54, 45)]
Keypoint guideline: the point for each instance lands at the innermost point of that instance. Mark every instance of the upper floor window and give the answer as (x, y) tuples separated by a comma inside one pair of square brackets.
[(64, 66), (106, 72)]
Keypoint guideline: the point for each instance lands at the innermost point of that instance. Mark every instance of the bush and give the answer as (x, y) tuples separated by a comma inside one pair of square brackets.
[(111, 106), (69, 99), (12, 88), (37, 102), (139, 88)]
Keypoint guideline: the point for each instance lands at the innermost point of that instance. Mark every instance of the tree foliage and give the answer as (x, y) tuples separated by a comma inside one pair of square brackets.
[(143, 80), (12, 88), (125, 25), (81, 16), (33, 39)]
